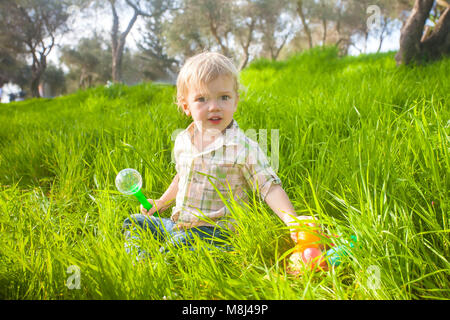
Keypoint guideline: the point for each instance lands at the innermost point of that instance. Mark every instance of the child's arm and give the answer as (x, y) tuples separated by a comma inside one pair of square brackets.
[(166, 199), (279, 202)]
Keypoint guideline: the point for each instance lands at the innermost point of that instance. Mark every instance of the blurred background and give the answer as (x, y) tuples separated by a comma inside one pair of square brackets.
[(50, 47)]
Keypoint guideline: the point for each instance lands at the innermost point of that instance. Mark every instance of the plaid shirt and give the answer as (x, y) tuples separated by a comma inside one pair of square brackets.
[(232, 165)]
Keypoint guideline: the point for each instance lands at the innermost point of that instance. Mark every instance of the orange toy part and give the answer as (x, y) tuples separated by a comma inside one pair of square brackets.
[(307, 239)]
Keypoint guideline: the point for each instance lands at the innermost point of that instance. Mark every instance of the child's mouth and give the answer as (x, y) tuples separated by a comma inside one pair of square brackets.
[(215, 120)]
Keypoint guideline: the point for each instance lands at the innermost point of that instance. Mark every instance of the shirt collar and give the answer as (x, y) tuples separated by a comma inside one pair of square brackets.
[(228, 137)]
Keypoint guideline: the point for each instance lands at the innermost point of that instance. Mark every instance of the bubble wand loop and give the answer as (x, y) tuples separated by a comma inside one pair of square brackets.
[(129, 182)]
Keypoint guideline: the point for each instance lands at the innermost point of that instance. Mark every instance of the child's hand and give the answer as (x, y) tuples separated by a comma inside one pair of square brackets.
[(155, 204)]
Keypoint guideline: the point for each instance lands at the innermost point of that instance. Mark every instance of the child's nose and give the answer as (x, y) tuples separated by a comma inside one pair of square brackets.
[(214, 105)]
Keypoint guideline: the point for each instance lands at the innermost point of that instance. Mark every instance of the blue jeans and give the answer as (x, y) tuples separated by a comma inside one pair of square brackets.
[(163, 230)]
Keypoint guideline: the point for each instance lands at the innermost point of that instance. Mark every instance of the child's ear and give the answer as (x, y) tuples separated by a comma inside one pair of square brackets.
[(186, 109)]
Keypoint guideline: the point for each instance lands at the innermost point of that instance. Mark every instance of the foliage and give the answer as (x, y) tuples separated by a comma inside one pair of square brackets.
[(30, 28), (363, 147), (89, 62)]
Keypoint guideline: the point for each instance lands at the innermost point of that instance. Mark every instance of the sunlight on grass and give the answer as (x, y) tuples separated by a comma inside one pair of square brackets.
[(364, 147)]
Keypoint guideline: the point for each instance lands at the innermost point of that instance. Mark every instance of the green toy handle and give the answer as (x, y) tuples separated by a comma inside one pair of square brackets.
[(143, 200)]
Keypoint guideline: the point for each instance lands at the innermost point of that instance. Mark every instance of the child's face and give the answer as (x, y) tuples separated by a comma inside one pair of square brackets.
[(213, 106)]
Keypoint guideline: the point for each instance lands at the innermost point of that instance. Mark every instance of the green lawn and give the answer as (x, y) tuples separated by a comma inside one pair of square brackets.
[(363, 146)]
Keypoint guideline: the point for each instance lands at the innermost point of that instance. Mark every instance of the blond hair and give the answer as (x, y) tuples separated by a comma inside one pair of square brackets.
[(201, 69)]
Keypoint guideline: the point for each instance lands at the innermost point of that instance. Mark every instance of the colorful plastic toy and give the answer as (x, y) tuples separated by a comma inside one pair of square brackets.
[(307, 239), (335, 254), (308, 252), (129, 182), (314, 258)]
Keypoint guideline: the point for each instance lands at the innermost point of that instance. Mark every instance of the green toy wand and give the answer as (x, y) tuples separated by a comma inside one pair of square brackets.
[(129, 182)]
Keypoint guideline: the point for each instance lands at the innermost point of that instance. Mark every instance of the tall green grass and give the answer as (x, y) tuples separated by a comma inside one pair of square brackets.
[(364, 147)]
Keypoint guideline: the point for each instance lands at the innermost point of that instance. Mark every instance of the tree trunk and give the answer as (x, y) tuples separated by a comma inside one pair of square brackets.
[(117, 55), (380, 43), (246, 45), (213, 29), (37, 70), (411, 33), (278, 50), (383, 30), (244, 61), (35, 87), (324, 25), (305, 25), (366, 37), (118, 42), (114, 42), (437, 43)]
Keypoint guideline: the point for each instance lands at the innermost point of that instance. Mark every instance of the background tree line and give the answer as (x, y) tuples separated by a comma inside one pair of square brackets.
[(173, 30)]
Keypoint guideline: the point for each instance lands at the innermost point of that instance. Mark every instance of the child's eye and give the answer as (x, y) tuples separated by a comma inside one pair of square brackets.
[(225, 98), (201, 99)]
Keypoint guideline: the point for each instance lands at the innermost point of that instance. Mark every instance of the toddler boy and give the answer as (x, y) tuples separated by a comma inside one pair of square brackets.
[(214, 160)]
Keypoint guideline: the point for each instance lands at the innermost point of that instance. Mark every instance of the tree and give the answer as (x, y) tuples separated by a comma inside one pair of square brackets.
[(89, 62), (383, 31), (217, 20), (200, 25), (301, 13), (275, 25), (246, 20), (153, 48), (232, 27), (259, 21), (361, 19), (186, 36), (356, 17), (417, 45), (30, 27), (327, 21), (151, 9), (390, 17), (55, 80), (325, 13), (13, 68), (344, 27), (118, 40)]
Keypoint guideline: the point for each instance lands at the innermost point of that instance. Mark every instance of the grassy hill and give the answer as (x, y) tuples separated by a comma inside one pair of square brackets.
[(363, 146)]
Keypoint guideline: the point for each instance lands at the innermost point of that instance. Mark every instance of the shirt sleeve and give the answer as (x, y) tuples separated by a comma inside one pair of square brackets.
[(257, 171)]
